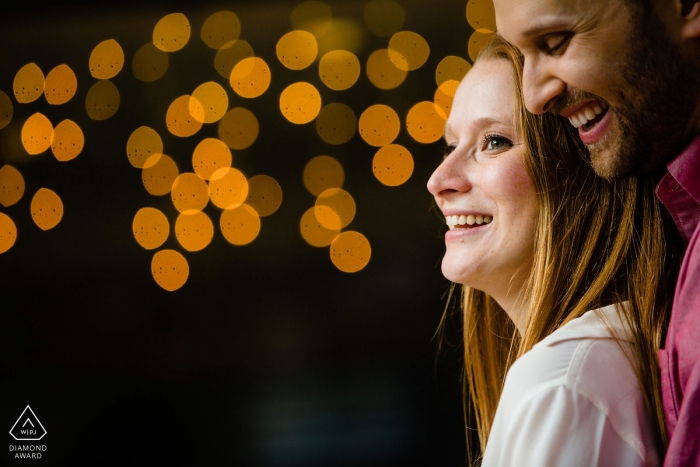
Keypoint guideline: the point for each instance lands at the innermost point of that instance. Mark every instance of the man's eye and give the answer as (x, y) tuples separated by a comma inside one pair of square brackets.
[(556, 42)]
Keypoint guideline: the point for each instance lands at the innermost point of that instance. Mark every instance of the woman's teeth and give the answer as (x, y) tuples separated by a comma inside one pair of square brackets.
[(466, 221), (586, 114)]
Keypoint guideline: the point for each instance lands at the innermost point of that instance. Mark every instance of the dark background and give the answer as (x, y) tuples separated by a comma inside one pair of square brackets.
[(268, 355)]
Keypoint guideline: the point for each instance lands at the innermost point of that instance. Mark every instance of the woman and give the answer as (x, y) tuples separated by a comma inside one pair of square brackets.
[(567, 282)]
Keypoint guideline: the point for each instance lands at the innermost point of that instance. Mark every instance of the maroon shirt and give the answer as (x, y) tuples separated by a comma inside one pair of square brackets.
[(679, 191)]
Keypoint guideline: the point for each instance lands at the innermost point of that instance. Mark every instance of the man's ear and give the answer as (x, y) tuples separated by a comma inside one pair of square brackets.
[(691, 20)]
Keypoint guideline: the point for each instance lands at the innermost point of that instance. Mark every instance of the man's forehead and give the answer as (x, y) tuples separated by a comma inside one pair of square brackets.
[(531, 17)]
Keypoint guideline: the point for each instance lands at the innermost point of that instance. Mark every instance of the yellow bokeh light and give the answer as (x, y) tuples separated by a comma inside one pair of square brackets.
[(229, 55), (336, 123), (46, 209), (384, 17), (379, 125), (142, 144), (392, 165), (158, 174), (102, 100), (322, 173), (312, 16), (209, 156), (297, 49), (382, 73), (250, 77), (189, 192), (264, 195), (6, 110), (300, 102), (149, 63), (408, 51), (451, 68), (11, 185), (185, 116), (106, 60), (339, 69), (8, 233), (481, 15), (170, 269), (68, 141), (151, 228), (444, 96), (60, 85), (194, 230), (239, 128), (221, 28), (424, 123), (228, 188), (213, 99), (477, 41), (350, 251), (28, 84), (314, 232), (37, 134), (172, 32), (335, 208), (344, 34), (240, 225)]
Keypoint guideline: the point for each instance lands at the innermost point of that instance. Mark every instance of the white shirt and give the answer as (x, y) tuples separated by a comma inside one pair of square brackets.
[(573, 400)]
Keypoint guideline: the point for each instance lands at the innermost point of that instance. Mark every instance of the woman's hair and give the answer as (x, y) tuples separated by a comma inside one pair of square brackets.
[(597, 242)]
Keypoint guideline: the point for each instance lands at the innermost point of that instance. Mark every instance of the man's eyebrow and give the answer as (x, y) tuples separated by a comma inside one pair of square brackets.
[(538, 29)]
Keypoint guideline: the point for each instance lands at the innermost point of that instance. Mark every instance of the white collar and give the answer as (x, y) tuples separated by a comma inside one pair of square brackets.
[(594, 324)]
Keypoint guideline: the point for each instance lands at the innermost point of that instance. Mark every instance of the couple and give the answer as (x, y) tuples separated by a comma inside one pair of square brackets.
[(581, 291)]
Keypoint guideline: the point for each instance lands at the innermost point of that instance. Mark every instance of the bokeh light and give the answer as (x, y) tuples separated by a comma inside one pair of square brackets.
[(209, 156), (264, 195), (194, 230), (170, 269), (60, 85), (477, 41), (314, 17), (339, 69), (240, 225), (8, 233), (106, 60), (350, 251), (344, 34), (481, 15), (185, 116), (250, 77), (228, 188), (451, 68), (379, 125), (102, 100), (28, 84), (37, 134), (68, 141), (408, 50), (382, 73), (221, 28), (229, 55), (239, 128), (322, 173), (444, 96), (172, 32), (151, 228), (46, 209), (424, 123), (6, 110), (336, 123), (149, 63), (392, 165), (335, 208), (158, 174), (384, 17), (297, 50), (189, 192), (142, 144), (300, 102), (212, 97), (11, 185), (314, 232)]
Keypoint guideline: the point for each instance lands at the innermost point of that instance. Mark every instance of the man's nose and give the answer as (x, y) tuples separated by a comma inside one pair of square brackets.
[(541, 87)]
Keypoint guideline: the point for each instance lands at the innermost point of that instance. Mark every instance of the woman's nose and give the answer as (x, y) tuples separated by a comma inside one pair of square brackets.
[(450, 177)]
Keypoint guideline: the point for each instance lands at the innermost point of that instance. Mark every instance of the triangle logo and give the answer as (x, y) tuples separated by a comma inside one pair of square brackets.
[(27, 427)]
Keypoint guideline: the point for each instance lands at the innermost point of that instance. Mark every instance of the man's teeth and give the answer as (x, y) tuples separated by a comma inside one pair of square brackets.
[(586, 114), (462, 221)]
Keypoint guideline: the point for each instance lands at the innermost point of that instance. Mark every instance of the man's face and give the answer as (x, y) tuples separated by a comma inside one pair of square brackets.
[(611, 68)]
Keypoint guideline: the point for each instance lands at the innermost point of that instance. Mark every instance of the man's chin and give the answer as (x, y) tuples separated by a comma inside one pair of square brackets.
[(610, 161)]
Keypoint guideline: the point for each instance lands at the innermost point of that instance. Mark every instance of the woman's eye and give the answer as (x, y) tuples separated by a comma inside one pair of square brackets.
[(447, 150), (495, 143)]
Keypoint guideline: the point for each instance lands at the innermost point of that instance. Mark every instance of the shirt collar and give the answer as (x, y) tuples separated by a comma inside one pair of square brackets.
[(594, 324)]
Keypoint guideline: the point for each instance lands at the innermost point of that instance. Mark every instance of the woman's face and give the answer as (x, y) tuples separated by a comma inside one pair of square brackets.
[(483, 189)]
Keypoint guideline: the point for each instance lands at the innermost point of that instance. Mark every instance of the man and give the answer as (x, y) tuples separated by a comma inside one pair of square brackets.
[(626, 73)]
